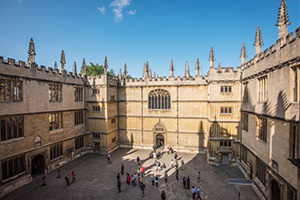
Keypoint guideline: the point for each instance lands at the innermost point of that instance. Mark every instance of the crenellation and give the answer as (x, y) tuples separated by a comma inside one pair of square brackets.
[(266, 52), (290, 38), (297, 35), (22, 63), (11, 61)]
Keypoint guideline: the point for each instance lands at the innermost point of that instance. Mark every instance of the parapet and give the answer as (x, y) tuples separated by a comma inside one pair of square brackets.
[(21, 69)]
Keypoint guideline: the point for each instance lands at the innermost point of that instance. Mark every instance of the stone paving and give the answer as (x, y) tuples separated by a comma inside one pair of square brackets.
[(97, 180)]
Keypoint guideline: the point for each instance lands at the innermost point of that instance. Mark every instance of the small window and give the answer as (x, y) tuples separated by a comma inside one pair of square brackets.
[(96, 108), (294, 141), (226, 110), (113, 120), (114, 140), (226, 89), (262, 129), (96, 91)]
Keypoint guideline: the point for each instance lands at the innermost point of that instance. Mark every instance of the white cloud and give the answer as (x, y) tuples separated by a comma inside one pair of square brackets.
[(118, 6), (132, 12), (102, 10)]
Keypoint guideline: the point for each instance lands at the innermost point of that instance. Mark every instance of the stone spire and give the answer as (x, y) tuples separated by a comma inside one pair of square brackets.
[(197, 68), (243, 54), (55, 65), (149, 73), (172, 69), (146, 70), (120, 74), (31, 52), (74, 68), (282, 20), (105, 65), (258, 41), (62, 60), (187, 69), (154, 75), (219, 66), (83, 67), (125, 71), (211, 58)]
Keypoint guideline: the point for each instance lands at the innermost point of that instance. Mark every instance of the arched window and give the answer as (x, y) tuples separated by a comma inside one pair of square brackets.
[(159, 99)]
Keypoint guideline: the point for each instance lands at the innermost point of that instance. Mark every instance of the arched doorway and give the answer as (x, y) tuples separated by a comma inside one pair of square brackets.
[(37, 165), (160, 140), (275, 190), (225, 159)]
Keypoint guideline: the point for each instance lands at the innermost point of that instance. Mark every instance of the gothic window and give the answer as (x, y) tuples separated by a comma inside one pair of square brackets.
[(245, 122), (13, 167), (295, 83), (159, 99), (11, 127), (226, 110), (263, 89), (55, 93), (79, 142), (294, 141), (10, 90), (261, 170), (56, 150), (262, 128), (78, 117), (226, 89), (55, 121), (78, 93)]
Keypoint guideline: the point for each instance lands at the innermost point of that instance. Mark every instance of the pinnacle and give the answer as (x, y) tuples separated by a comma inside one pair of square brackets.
[(31, 49), (243, 51), (283, 18), (258, 38), (211, 55)]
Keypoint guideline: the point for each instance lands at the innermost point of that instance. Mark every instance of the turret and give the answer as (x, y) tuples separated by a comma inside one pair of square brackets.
[(83, 67), (105, 66), (74, 69), (172, 69), (258, 41), (187, 70), (146, 70), (197, 68), (125, 72), (31, 52), (211, 58), (120, 74), (243, 54), (282, 20), (62, 60), (55, 65)]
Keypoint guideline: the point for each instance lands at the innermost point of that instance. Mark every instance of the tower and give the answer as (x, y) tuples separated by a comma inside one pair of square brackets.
[(62, 60), (187, 70), (31, 52), (197, 68), (282, 20), (258, 41), (243, 54), (172, 69), (211, 58)]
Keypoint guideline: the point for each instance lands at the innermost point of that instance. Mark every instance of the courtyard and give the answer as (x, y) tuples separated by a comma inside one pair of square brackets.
[(97, 180)]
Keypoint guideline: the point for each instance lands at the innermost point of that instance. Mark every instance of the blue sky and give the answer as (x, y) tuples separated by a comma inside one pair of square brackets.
[(136, 31)]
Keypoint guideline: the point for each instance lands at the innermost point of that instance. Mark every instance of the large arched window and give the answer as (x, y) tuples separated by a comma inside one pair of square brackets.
[(159, 99)]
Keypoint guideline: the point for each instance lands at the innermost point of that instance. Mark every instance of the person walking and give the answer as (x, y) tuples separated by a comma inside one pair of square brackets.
[(118, 177), (163, 195), (199, 176), (188, 182), (143, 189), (198, 194), (137, 159), (132, 181), (166, 176), (122, 169), (184, 182), (67, 178), (119, 186), (193, 192), (143, 171), (73, 176), (182, 164), (156, 181), (128, 179), (172, 163), (108, 159)]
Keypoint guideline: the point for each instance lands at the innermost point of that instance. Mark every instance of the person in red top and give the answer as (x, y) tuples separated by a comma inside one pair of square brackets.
[(73, 176), (128, 179), (143, 171)]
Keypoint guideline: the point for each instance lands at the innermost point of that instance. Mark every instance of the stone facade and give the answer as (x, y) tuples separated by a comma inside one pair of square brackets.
[(247, 116)]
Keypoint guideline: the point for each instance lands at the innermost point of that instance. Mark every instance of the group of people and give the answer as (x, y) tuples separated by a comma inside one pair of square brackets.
[(67, 178)]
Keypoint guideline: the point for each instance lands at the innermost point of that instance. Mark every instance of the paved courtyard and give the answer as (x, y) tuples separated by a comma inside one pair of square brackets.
[(97, 180)]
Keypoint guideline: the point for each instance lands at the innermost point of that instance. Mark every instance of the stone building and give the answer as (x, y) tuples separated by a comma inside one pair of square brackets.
[(248, 115)]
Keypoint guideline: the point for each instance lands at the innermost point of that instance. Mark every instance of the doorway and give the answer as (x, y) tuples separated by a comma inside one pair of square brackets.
[(37, 165), (224, 159), (275, 190), (97, 147), (160, 140)]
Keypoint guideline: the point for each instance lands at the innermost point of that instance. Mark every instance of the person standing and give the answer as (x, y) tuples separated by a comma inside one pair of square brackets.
[(132, 181), (163, 195), (198, 194), (153, 179), (67, 178), (188, 182), (194, 192), (199, 176), (184, 183), (73, 176), (177, 174), (166, 176), (182, 164), (143, 171), (143, 189), (108, 159), (122, 169), (128, 179), (172, 163), (119, 185), (156, 181), (137, 159)]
